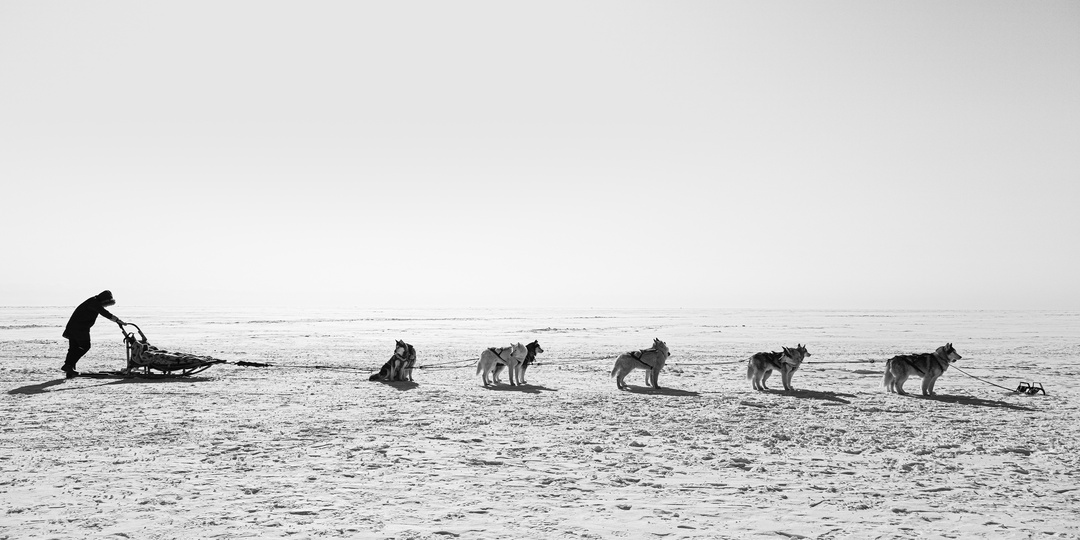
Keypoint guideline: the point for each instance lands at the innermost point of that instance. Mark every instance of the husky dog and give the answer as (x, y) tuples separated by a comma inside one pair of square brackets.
[(409, 364), (530, 357), (512, 356), (652, 360), (400, 366), (929, 366), (762, 364)]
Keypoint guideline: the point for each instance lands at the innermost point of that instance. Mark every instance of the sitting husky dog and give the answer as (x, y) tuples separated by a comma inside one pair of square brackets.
[(929, 366), (512, 356), (652, 360), (530, 357), (400, 366), (762, 364)]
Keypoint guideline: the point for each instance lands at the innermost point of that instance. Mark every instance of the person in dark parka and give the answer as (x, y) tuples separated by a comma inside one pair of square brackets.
[(77, 330)]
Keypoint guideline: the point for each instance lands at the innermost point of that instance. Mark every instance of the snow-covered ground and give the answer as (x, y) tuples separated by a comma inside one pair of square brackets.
[(310, 448)]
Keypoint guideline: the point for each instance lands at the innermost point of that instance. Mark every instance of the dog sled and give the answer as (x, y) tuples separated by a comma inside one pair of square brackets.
[(146, 360)]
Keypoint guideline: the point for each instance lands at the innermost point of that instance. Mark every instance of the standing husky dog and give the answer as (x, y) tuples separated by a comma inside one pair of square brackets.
[(399, 367), (762, 364), (652, 360), (929, 366), (512, 356), (530, 357)]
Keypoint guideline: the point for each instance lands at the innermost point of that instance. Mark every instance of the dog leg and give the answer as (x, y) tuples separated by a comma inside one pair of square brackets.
[(765, 377), (899, 384), (655, 378), (483, 369)]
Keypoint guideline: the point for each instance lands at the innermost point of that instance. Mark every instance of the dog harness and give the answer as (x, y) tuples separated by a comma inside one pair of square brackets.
[(636, 355), (929, 358), (776, 360)]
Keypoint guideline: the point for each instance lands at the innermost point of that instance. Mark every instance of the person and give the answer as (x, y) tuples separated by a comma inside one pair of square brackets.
[(77, 330)]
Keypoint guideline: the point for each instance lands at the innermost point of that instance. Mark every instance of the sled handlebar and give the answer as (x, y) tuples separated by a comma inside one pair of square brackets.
[(126, 333)]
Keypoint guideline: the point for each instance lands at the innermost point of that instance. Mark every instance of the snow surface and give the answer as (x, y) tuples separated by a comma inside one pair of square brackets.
[(310, 449)]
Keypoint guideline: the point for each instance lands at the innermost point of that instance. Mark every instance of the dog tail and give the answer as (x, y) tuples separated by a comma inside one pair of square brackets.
[(750, 369), (479, 363)]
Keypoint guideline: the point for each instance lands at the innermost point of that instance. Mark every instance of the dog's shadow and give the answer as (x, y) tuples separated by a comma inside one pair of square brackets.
[(401, 386), (664, 391), (836, 397), (978, 402), (522, 388)]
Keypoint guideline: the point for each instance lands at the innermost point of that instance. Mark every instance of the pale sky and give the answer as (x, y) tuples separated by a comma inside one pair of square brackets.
[(870, 155)]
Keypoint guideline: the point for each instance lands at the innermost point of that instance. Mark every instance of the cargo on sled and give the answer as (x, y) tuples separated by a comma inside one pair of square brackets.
[(146, 360)]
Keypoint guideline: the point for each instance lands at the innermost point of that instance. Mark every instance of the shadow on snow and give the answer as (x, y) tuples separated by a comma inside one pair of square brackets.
[(837, 397), (523, 388), (978, 402), (41, 388), (402, 386), (660, 391)]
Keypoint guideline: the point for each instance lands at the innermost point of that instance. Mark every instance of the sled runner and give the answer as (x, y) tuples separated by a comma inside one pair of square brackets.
[(146, 360)]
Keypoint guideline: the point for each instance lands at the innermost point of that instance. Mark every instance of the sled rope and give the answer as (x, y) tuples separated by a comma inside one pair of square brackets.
[(440, 365), (443, 367), (718, 363), (297, 366), (868, 360), (344, 368), (984, 380)]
